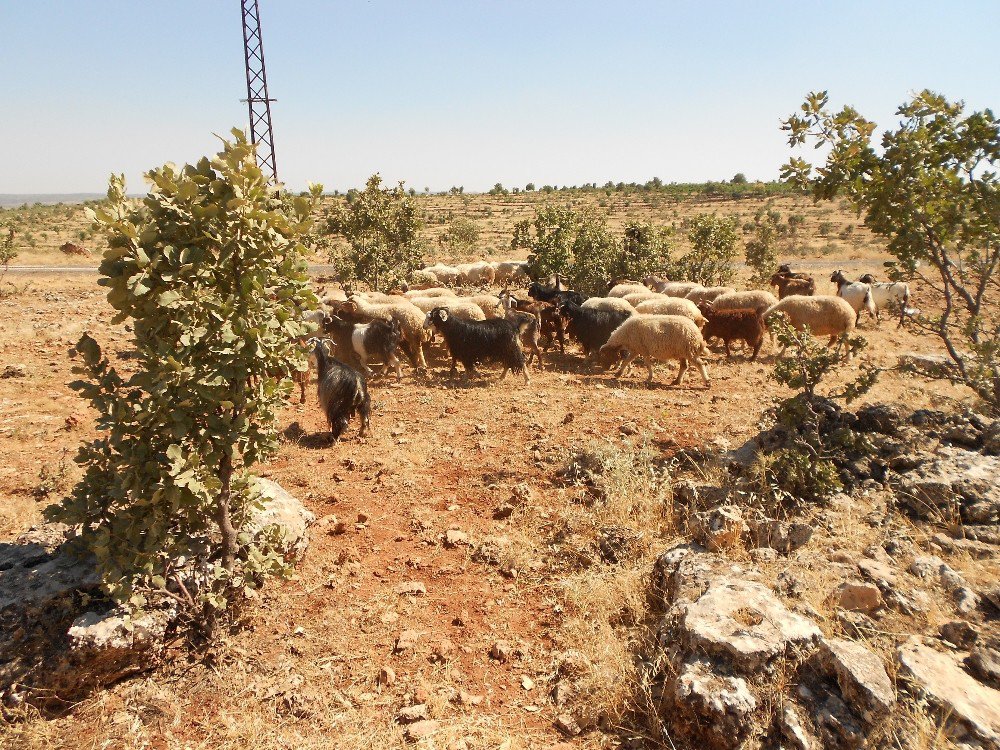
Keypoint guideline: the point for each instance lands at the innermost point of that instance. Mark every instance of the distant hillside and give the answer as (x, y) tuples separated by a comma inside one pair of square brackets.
[(19, 199)]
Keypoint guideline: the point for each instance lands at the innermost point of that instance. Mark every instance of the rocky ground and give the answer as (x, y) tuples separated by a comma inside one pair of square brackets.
[(575, 561)]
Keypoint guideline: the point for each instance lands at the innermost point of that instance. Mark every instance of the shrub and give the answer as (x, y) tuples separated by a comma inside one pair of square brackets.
[(209, 270), (711, 260), (462, 235)]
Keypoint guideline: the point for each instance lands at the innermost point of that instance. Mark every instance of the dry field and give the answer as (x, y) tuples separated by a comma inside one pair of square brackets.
[(442, 456)]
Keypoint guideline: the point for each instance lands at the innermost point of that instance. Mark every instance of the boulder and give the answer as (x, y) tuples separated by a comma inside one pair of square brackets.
[(719, 710), (719, 528), (984, 660), (858, 596), (60, 637), (954, 484), (781, 536), (971, 707), (860, 675)]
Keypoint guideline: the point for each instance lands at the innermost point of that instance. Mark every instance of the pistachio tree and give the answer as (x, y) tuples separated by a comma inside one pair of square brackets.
[(712, 257), (209, 272), (930, 188)]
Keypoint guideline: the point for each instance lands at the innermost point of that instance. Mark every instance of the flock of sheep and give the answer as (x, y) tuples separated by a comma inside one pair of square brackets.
[(657, 320)]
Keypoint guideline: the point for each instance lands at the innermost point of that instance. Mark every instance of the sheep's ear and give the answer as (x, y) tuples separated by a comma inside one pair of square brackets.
[(443, 314)]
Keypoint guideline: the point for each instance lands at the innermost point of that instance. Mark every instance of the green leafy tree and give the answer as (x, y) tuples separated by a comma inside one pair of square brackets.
[(762, 249), (380, 226), (930, 188), (739, 179), (7, 250), (712, 258), (209, 272), (462, 235), (549, 237)]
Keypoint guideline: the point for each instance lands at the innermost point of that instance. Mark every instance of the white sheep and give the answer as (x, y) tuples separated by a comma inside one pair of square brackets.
[(443, 273), (858, 295), (824, 314), (755, 299), (708, 293), (437, 291), (663, 285), (636, 298), (478, 274), (618, 304), (672, 306), (489, 303), (886, 294), (620, 290), (656, 337), (507, 271), (409, 317)]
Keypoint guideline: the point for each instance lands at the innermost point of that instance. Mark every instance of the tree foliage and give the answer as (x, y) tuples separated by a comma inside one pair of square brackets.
[(712, 258), (208, 270), (579, 246), (762, 249), (7, 250), (380, 226), (462, 235), (931, 190)]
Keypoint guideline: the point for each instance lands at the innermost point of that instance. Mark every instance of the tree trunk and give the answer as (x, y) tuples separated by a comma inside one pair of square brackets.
[(223, 516)]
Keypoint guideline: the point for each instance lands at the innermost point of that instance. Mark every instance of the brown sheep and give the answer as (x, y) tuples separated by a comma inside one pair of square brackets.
[(734, 325)]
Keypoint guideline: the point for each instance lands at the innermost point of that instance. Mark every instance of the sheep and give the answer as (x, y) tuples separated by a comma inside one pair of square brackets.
[(478, 274), (460, 307), (858, 295), (620, 290), (489, 304), (636, 298), (470, 342), (550, 325), (608, 303), (409, 317), (656, 338), (824, 314), (755, 299), (663, 285), (443, 273), (342, 392), (434, 291), (729, 325), (672, 306), (506, 271), (359, 343), (789, 285), (886, 294), (423, 277), (707, 293), (589, 326), (380, 298)]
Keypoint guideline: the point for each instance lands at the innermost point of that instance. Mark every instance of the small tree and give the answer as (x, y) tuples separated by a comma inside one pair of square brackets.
[(549, 238), (932, 191), (762, 249), (462, 235), (7, 251), (739, 179), (381, 227), (711, 260), (529, 187), (209, 270)]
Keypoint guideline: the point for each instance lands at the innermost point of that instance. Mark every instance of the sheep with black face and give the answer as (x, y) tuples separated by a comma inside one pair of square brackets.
[(342, 391), (473, 341)]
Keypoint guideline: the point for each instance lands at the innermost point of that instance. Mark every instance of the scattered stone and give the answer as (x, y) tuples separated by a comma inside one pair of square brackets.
[(618, 543), (14, 371), (718, 529), (954, 484), (860, 674), (629, 428), (940, 678), (763, 555), (386, 676), (461, 619), (501, 651), (527, 683), (412, 588), (858, 596), (420, 730), (468, 699), (407, 641), (363, 518), (411, 714), (984, 660), (454, 538), (443, 650), (572, 663), (503, 511), (958, 633), (838, 725), (779, 535), (722, 707), (566, 724)]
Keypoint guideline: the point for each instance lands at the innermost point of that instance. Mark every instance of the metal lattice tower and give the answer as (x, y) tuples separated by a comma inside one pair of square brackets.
[(258, 102)]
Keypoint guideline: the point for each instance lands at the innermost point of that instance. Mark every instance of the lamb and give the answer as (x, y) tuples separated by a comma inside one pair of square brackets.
[(470, 342), (409, 318), (858, 295), (656, 337), (755, 299), (589, 326), (361, 343), (672, 306), (708, 293), (489, 304), (608, 303), (734, 325), (824, 314), (789, 285), (886, 294), (342, 392), (620, 290)]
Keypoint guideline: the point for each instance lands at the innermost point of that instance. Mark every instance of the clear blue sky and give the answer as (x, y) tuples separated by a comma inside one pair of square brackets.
[(465, 92)]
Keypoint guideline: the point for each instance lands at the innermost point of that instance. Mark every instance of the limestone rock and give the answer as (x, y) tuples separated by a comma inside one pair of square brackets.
[(420, 730), (779, 535), (411, 714), (984, 660), (743, 622), (861, 676), (955, 484), (720, 528), (17, 370), (940, 678), (719, 710), (284, 511), (858, 596)]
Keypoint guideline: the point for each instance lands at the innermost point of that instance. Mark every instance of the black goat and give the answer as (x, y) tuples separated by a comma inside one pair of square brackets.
[(473, 341), (342, 392), (361, 343), (555, 294), (591, 326)]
